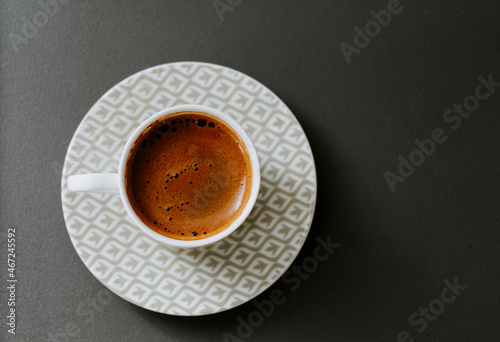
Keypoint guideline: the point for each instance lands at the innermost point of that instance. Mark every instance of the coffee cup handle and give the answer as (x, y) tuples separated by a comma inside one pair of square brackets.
[(94, 182)]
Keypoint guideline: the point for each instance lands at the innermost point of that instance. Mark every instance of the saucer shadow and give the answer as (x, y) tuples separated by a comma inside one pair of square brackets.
[(340, 286)]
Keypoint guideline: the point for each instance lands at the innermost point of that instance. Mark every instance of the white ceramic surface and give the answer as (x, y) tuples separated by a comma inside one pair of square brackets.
[(207, 279), (112, 183)]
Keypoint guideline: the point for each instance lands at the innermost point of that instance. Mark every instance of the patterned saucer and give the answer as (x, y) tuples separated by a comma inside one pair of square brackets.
[(214, 278)]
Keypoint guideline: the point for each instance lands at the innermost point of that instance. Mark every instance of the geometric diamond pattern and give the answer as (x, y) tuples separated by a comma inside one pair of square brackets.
[(207, 279)]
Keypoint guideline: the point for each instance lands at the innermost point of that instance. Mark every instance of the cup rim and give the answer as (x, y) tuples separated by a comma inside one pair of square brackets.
[(254, 161)]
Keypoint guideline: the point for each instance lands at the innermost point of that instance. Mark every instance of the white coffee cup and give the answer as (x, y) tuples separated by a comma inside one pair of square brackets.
[(115, 182)]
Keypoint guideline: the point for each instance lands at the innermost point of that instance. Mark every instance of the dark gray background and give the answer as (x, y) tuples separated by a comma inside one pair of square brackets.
[(396, 249)]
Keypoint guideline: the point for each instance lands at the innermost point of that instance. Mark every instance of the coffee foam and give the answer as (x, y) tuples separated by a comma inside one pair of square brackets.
[(188, 176)]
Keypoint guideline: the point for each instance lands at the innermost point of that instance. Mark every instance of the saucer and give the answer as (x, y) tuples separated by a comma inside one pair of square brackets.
[(209, 279)]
